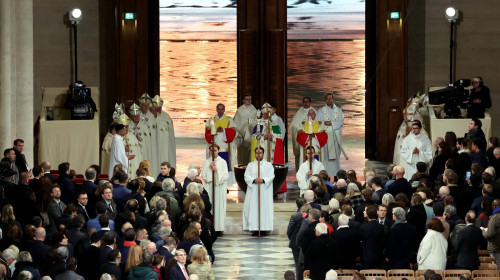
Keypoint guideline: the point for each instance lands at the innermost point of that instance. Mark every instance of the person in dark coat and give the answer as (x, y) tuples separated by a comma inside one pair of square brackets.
[(348, 242), (25, 262), (69, 273), (294, 227), (322, 254), (367, 200), (89, 187), (417, 216), (38, 248), (383, 219), (372, 238), (400, 184), (174, 270), (89, 259), (67, 186), (112, 266), (468, 241), (401, 246)]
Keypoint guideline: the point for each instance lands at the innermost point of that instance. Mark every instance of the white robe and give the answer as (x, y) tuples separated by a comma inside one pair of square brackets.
[(295, 126), (221, 177), (220, 140), (409, 160), (150, 119), (251, 205), (141, 129), (302, 178), (105, 151), (243, 114), (165, 139), (134, 149), (117, 154), (269, 145), (331, 150)]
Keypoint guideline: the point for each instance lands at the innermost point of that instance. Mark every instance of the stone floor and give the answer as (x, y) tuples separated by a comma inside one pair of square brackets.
[(242, 256)]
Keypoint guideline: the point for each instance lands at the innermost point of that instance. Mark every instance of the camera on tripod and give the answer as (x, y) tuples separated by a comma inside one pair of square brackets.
[(80, 102)]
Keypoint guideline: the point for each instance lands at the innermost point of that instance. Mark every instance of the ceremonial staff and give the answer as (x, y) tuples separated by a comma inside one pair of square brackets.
[(259, 135), (213, 132), (310, 131), (268, 131)]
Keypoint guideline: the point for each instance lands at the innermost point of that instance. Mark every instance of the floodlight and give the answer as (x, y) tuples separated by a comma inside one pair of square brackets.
[(451, 14), (75, 16)]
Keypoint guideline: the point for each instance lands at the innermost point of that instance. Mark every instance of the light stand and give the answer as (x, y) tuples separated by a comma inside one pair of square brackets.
[(451, 15), (75, 16)]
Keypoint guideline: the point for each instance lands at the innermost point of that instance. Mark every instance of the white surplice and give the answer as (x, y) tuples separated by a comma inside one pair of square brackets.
[(251, 205), (141, 130), (105, 152), (134, 149), (221, 177), (165, 139), (118, 154), (409, 159), (150, 119), (302, 178), (243, 114)]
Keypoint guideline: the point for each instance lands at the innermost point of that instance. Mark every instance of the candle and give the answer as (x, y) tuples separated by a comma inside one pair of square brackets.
[(309, 127), (212, 127)]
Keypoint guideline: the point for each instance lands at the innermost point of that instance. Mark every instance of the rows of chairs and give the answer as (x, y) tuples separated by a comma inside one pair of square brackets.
[(399, 274), (80, 179)]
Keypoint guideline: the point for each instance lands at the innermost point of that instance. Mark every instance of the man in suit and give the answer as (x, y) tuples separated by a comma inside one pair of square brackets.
[(348, 242), (166, 249), (89, 187), (401, 244), (179, 271), (68, 187), (39, 249), (377, 189), (294, 227), (90, 259), (372, 238), (468, 240), (69, 273), (129, 236), (306, 235), (347, 210), (109, 240), (100, 209), (55, 207), (120, 192), (133, 206), (82, 204), (401, 184), (322, 254), (112, 266), (309, 196), (106, 194), (367, 200), (46, 166), (21, 164), (75, 235), (383, 219)]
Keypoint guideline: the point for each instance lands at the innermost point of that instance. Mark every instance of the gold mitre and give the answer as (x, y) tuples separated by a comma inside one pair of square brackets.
[(157, 101), (134, 110), (120, 108), (145, 99), (122, 119), (266, 107)]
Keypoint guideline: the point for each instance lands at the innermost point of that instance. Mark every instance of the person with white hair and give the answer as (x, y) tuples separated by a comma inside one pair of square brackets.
[(25, 263), (322, 253), (333, 212), (341, 186), (400, 247), (168, 186), (331, 275), (347, 239), (309, 197), (8, 256)]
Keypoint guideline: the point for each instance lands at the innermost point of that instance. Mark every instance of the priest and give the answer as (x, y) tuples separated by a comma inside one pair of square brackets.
[(218, 167), (259, 174), (119, 150), (148, 117), (106, 147), (305, 171), (140, 129), (132, 147), (267, 134), (416, 147), (224, 129), (313, 134), (332, 118), (244, 113), (296, 125), (165, 141)]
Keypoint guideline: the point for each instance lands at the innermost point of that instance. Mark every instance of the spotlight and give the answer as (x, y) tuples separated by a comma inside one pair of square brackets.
[(451, 14), (75, 16)]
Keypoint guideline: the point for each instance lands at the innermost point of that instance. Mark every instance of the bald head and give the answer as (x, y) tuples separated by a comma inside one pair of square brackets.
[(309, 195), (398, 171), (341, 183), (444, 191), (423, 195), (151, 247), (40, 234), (495, 204)]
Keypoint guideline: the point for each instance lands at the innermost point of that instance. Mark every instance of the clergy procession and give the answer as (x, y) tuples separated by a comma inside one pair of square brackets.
[(130, 218)]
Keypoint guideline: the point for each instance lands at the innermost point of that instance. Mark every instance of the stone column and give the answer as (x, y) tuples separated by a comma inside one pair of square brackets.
[(5, 75), (24, 75)]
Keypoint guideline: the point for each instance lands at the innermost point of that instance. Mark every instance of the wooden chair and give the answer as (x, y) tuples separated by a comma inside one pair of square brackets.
[(375, 277), (306, 274), (483, 253), (400, 273), (487, 278), (345, 272), (452, 278), (488, 266), (401, 277), (419, 273), (485, 273), (344, 277), (455, 272), (487, 260), (373, 273)]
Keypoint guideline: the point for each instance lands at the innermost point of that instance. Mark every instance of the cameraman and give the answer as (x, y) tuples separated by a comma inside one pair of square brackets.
[(479, 99)]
